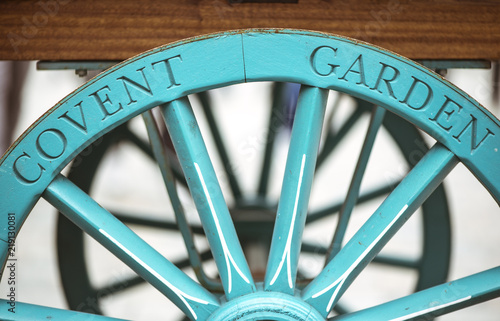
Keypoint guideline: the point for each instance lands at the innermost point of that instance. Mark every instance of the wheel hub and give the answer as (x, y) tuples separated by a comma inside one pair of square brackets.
[(263, 305)]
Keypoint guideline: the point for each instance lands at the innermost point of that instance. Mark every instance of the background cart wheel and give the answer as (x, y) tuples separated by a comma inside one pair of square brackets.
[(463, 130), (431, 265)]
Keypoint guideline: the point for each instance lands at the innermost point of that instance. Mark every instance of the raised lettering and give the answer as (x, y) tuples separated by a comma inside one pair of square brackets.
[(170, 72), (144, 88), (51, 143), (472, 124), (21, 164), (416, 91), (78, 121), (323, 51), (360, 71), (448, 108), (387, 80), (106, 104)]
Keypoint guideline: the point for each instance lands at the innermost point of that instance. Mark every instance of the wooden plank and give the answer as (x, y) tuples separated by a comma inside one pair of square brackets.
[(118, 29)]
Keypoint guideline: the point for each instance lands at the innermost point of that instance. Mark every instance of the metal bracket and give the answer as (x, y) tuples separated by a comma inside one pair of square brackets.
[(80, 67)]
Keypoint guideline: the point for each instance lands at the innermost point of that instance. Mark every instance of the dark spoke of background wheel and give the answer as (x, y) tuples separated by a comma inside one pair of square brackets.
[(333, 139), (207, 108), (127, 135), (143, 219), (70, 239), (379, 259), (363, 198), (132, 281), (273, 127), (433, 264)]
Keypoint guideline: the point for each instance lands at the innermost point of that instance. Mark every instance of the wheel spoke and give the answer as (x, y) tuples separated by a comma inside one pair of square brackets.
[(333, 112), (137, 142), (219, 144), (366, 197), (434, 301), (32, 312), (397, 261), (160, 154), (313, 248), (340, 309), (379, 259), (145, 220), (292, 209), (146, 149), (132, 281), (332, 140), (353, 192), (406, 198), (207, 195), (275, 123), (118, 286), (189, 296)]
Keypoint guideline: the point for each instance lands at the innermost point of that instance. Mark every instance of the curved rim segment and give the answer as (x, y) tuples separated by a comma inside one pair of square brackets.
[(169, 72)]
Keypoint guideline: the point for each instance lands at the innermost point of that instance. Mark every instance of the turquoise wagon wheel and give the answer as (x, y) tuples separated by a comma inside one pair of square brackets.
[(464, 131), (82, 295)]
